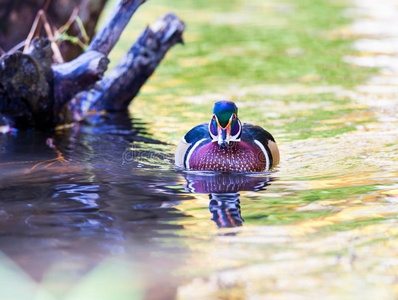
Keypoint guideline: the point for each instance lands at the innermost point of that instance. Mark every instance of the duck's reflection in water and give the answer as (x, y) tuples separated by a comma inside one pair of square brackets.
[(225, 209), (223, 190)]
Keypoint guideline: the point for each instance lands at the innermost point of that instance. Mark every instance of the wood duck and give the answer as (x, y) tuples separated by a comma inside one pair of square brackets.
[(225, 145)]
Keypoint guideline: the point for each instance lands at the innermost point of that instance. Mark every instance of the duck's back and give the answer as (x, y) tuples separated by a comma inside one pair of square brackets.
[(263, 139)]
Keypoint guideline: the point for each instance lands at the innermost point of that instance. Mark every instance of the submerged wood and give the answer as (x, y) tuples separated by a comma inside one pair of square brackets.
[(36, 93)]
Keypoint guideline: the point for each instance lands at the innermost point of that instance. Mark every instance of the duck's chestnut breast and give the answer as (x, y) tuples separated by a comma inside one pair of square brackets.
[(236, 157)]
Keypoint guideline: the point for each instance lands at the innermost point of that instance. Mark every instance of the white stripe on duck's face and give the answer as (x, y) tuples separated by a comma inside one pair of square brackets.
[(224, 135)]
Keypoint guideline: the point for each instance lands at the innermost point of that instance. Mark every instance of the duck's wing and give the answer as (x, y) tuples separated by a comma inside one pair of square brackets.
[(196, 134), (264, 139)]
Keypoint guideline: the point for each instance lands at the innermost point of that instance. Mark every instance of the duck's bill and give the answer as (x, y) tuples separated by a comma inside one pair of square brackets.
[(223, 136)]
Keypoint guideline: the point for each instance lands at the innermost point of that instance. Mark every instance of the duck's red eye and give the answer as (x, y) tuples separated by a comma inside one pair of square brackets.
[(214, 118), (233, 117)]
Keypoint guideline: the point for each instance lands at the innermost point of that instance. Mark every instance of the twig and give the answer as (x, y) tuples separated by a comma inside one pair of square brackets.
[(57, 53), (17, 47), (41, 16), (60, 157), (18, 162), (80, 24), (74, 18), (32, 30), (46, 5), (70, 21)]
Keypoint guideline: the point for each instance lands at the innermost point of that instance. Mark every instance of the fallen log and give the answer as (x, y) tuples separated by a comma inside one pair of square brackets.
[(78, 75), (36, 93), (115, 91), (25, 86)]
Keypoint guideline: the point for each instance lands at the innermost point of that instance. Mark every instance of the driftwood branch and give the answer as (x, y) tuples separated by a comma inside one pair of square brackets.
[(110, 32), (36, 93), (121, 85), (126, 79), (79, 74)]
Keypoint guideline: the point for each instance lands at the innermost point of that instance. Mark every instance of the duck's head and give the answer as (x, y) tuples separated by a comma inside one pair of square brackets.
[(224, 126)]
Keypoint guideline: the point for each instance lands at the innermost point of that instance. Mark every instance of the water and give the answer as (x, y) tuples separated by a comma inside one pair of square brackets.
[(98, 211)]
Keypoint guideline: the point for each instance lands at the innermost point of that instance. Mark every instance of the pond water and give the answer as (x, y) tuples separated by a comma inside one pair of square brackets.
[(98, 211)]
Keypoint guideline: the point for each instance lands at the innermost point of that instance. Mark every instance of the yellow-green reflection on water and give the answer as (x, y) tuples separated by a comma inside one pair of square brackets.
[(327, 224)]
